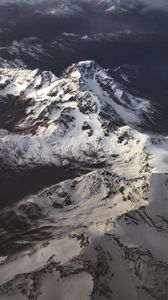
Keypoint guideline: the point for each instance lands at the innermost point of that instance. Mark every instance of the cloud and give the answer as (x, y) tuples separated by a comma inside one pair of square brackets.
[(153, 4), (83, 16), (148, 4)]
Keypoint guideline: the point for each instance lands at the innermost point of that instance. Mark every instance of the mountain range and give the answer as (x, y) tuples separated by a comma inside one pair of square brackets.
[(83, 150), (80, 149)]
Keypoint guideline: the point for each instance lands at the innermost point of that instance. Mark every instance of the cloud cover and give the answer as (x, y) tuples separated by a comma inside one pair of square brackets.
[(111, 5), (156, 4)]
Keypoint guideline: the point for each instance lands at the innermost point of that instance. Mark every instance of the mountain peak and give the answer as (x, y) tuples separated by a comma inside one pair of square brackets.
[(82, 69)]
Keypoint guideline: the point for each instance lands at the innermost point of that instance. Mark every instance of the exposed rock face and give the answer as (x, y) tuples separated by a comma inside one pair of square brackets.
[(86, 225)]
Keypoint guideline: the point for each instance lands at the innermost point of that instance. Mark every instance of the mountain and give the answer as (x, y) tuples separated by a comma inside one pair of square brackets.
[(83, 205), (81, 110), (109, 50), (83, 150)]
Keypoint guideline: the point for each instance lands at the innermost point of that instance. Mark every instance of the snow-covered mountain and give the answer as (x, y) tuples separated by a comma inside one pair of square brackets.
[(81, 110), (98, 220), (110, 50)]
